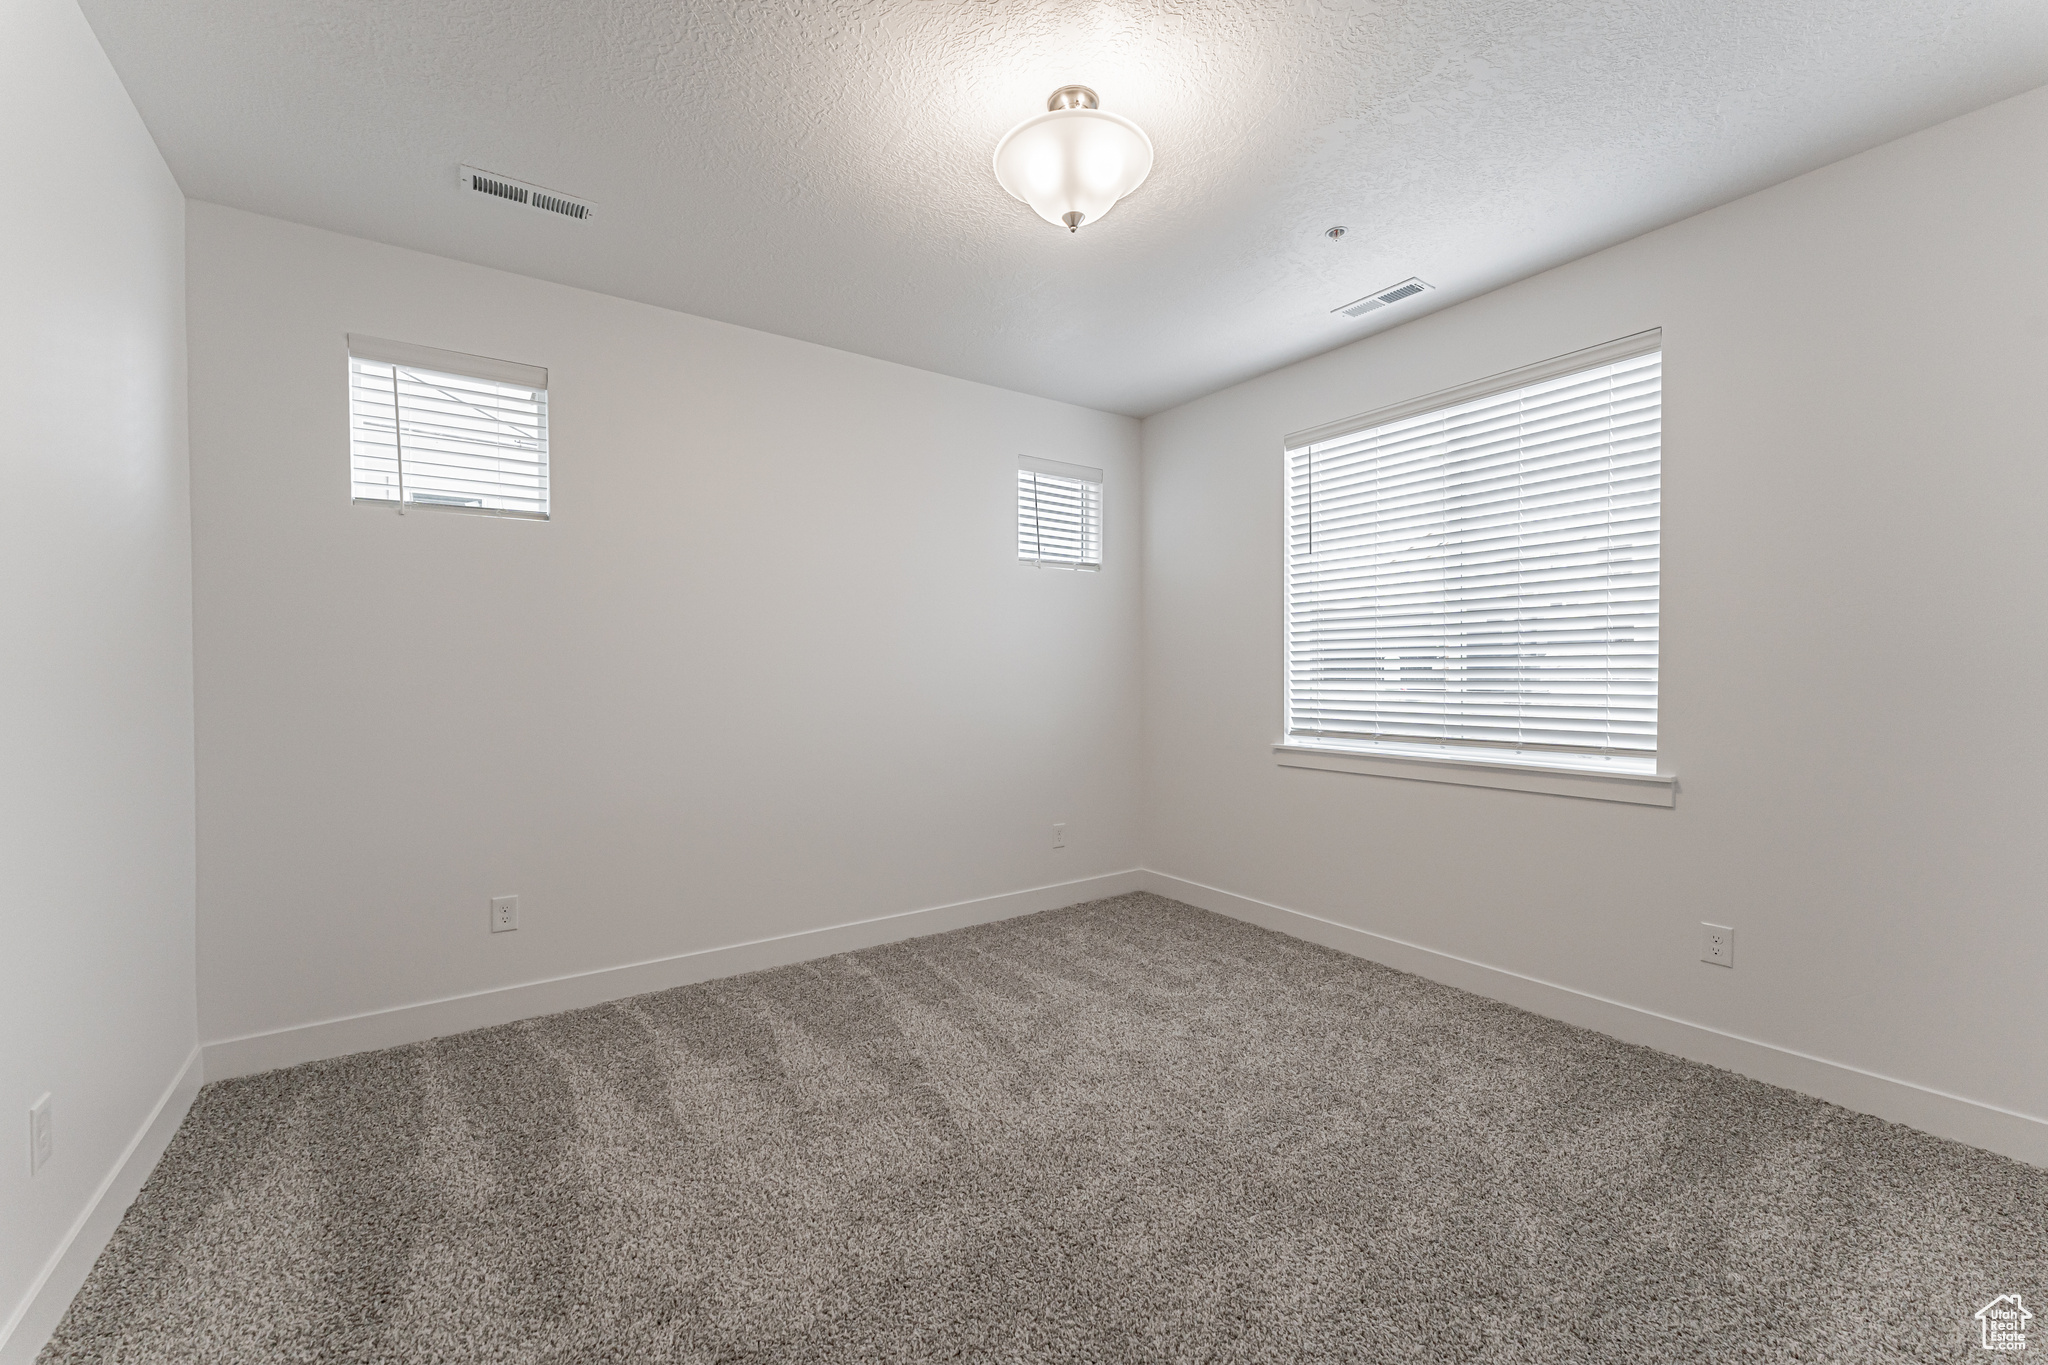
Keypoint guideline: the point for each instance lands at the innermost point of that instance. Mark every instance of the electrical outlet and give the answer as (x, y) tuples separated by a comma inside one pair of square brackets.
[(42, 1139), (504, 913), (1059, 836), (1717, 944)]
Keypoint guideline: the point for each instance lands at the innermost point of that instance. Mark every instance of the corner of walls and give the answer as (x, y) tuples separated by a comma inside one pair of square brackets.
[(770, 670), (1852, 358)]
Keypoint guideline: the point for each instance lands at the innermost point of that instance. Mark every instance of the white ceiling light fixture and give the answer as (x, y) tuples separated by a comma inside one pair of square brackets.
[(1074, 161)]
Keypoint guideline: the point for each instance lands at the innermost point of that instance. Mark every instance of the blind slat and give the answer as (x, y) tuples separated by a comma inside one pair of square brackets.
[(1059, 519), (438, 439), (1485, 573)]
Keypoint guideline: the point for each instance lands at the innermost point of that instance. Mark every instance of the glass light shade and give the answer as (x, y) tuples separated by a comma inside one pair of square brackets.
[(1073, 161)]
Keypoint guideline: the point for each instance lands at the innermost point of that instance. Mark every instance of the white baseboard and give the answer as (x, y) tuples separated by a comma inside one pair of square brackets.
[(24, 1334), (458, 1014), (2020, 1136)]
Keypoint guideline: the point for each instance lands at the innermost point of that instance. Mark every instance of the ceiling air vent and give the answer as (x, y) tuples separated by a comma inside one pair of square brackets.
[(520, 192), (1393, 293)]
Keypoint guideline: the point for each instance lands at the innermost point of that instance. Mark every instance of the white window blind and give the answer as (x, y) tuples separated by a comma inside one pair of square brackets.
[(1475, 575), (1059, 513), (434, 428)]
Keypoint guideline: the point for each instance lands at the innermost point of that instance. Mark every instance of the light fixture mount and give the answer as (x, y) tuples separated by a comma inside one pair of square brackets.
[(1074, 161)]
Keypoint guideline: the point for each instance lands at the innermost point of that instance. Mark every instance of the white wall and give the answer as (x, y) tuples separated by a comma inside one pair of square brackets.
[(1855, 627), (772, 665), (96, 949)]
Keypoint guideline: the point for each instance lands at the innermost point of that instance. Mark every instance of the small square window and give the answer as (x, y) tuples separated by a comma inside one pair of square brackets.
[(440, 429), (1059, 514)]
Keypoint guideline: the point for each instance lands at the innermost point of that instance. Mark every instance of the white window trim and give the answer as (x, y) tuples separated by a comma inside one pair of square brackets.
[(1556, 774), (1624, 348), (361, 347), (384, 350), (1080, 473), (1060, 469), (1547, 778)]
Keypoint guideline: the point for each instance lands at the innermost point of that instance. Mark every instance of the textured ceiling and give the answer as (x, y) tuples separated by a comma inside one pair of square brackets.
[(820, 168)]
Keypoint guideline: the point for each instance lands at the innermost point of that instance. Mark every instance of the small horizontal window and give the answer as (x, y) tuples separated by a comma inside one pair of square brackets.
[(1059, 514), (440, 429)]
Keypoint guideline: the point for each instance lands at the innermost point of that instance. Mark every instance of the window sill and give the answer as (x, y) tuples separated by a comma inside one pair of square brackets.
[(1638, 789), (410, 506)]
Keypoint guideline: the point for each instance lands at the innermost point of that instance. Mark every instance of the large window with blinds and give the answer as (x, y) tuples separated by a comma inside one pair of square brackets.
[(1473, 575), (1059, 514), (440, 429)]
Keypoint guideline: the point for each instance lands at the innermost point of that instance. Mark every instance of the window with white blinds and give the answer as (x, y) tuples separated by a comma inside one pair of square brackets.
[(434, 428), (1475, 574), (1059, 513)]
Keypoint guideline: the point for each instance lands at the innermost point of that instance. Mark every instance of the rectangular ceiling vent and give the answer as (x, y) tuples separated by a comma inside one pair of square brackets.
[(520, 192), (1393, 293)]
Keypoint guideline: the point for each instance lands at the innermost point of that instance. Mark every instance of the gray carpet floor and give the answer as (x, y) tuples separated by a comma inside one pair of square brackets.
[(1126, 1131)]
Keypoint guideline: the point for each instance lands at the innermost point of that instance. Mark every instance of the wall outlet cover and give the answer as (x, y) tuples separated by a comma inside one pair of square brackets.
[(504, 914), (1717, 944), (42, 1137)]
